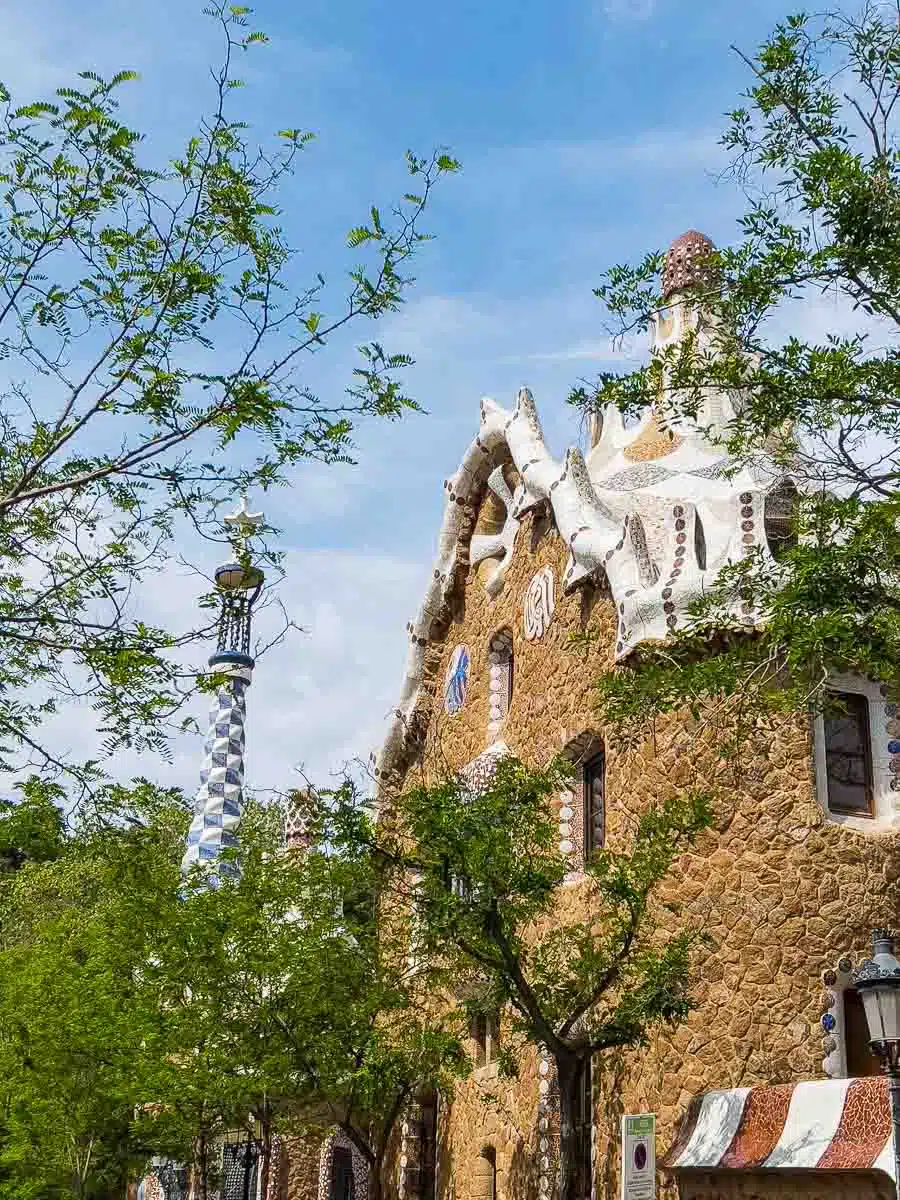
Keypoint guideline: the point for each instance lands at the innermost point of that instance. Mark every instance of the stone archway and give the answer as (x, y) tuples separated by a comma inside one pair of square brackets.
[(338, 1140)]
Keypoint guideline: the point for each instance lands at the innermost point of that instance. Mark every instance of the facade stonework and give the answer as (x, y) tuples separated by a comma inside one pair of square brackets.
[(618, 544), (782, 892)]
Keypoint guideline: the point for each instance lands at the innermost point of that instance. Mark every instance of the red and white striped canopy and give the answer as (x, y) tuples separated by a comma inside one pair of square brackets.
[(832, 1124)]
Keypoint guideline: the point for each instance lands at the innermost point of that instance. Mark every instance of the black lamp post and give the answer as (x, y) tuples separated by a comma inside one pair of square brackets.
[(878, 983)]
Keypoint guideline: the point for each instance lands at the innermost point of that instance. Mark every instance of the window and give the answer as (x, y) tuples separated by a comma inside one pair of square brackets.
[(582, 812), (593, 790), (699, 543), (428, 1106), (848, 756), (486, 1036), (860, 1059), (779, 509), (485, 1182), (422, 1149), (341, 1174), (500, 657), (584, 1120)]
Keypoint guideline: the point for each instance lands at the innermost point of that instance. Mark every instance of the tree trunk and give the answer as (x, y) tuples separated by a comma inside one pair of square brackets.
[(201, 1158), (376, 1185), (265, 1156), (374, 1158), (567, 1078)]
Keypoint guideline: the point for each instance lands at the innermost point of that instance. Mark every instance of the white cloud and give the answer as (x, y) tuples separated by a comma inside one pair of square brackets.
[(593, 160), (319, 699), (607, 350)]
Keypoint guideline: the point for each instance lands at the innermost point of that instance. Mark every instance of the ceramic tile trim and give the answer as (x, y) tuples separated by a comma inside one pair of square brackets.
[(834, 1124)]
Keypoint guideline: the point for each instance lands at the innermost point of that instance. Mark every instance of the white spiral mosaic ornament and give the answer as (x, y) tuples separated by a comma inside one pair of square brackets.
[(539, 604), (217, 807)]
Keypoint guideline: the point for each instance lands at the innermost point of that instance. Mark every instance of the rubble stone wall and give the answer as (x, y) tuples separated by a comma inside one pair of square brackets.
[(782, 892)]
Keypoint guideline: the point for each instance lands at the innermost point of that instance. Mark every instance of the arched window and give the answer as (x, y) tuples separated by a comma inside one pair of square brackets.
[(500, 659), (582, 816), (485, 1181), (778, 518), (420, 1146), (341, 1183), (343, 1171)]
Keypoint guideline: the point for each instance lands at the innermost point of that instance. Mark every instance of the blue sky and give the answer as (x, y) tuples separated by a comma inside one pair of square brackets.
[(587, 130)]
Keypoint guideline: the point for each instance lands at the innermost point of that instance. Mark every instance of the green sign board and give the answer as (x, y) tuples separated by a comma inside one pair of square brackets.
[(639, 1157)]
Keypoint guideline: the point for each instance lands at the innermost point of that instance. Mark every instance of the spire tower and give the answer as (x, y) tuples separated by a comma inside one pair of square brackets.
[(218, 804)]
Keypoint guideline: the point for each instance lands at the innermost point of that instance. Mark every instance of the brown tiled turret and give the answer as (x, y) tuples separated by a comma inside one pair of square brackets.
[(684, 262)]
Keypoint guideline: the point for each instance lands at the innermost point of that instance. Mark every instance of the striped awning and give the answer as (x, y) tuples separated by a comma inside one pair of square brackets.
[(827, 1125)]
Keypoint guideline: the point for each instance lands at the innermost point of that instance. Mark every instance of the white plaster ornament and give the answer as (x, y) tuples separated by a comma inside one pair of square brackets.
[(497, 545), (539, 604), (658, 509)]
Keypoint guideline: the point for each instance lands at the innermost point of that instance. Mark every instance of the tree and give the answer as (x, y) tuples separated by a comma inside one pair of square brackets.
[(79, 1024), (360, 1022), (31, 826), (153, 339), (816, 143), (289, 1007), (483, 871), (144, 1014)]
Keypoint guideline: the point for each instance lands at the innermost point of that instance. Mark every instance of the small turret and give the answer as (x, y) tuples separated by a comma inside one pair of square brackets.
[(685, 265)]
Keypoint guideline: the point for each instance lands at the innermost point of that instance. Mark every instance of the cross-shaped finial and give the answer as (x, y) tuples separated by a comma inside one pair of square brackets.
[(245, 522)]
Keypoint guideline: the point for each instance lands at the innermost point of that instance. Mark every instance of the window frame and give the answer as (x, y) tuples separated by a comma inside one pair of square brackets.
[(485, 1033), (593, 769), (884, 716), (861, 703)]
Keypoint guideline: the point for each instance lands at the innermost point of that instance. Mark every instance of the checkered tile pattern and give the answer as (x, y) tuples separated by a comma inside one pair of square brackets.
[(217, 808)]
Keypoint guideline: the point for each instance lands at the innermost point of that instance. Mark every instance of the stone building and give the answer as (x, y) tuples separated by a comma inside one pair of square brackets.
[(766, 1088)]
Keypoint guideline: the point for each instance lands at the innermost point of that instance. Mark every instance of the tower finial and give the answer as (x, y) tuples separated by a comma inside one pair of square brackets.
[(686, 263), (243, 523)]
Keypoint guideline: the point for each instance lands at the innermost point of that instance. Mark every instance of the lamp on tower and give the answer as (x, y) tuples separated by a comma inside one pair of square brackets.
[(878, 982), (239, 583)]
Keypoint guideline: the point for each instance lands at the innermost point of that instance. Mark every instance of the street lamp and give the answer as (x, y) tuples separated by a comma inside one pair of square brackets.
[(878, 982)]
